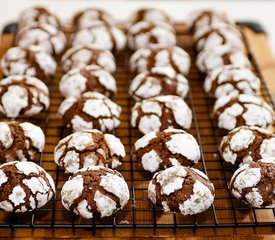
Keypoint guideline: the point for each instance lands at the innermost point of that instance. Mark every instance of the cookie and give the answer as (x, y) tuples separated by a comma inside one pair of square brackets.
[(88, 148), (158, 81), (95, 191), (247, 144), (156, 56), (20, 141), (171, 147), (38, 15), (101, 34), (89, 54), (181, 189), (144, 34), (31, 61), (91, 110), (211, 36), (87, 17), (254, 183), (90, 78), (159, 113), (234, 111), (47, 36), (24, 186), (211, 59), (23, 95), (231, 80)]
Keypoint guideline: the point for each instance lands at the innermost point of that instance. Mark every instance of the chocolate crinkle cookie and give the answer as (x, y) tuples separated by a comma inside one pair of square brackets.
[(47, 36), (101, 34), (174, 57), (247, 144), (222, 55), (89, 54), (144, 34), (88, 148), (234, 111), (23, 95), (24, 186), (95, 191), (181, 189), (160, 150), (231, 80), (20, 141), (158, 81), (31, 61), (90, 78), (159, 113), (91, 110), (254, 183)]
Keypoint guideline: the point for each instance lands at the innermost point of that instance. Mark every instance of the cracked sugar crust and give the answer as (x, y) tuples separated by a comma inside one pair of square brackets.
[(24, 186), (234, 111), (88, 54), (101, 34), (159, 81), (95, 191), (171, 58), (50, 38), (91, 110), (231, 80), (20, 141), (31, 61), (144, 34), (160, 150), (88, 148), (220, 56), (254, 183), (23, 95), (159, 113), (246, 144), (181, 189), (90, 78)]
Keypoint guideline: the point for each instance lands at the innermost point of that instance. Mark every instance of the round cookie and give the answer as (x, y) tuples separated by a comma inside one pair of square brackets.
[(88, 54), (24, 186), (234, 111), (23, 95), (88, 148), (144, 34), (220, 56), (38, 15), (156, 56), (158, 81), (247, 144), (20, 141), (95, 191), (103, 35), (89, 16), (171, 147), (181, 189), (50, 38), (91, 110), (90, 78), (254, 183), (31, 61), (159, 113), (231, 80), (211, 36)]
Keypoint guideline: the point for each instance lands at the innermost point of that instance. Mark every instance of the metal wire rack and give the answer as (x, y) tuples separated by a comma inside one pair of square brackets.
[(140, 212)]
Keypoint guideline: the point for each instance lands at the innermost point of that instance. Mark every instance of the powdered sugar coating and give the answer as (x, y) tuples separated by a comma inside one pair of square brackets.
[(144, 34), (161, 112), (24, 192), (23, 95), (231, 112)]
